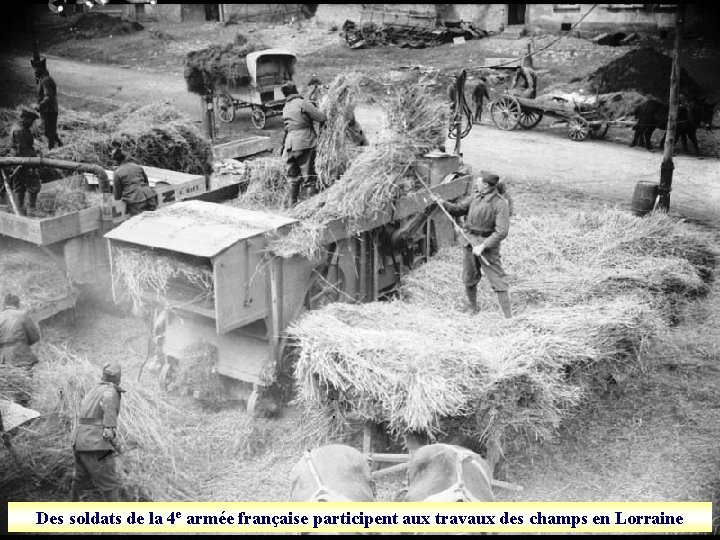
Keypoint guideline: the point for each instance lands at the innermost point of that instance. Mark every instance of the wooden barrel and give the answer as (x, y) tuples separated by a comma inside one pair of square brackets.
[(643, 200)]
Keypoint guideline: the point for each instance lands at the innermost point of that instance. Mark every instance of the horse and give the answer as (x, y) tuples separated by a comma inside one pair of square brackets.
[(447, 473), (652, 115), (332, 473)]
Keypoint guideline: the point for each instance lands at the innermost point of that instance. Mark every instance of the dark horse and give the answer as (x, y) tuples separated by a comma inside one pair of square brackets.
[(652, 115)]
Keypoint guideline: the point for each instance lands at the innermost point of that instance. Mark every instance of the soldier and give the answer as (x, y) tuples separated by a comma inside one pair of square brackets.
[(488, 221), (479, 94), (524, 83), (23, 145), (131, 184), (300, 140), (47, 104), (95, 439), (18, 332)]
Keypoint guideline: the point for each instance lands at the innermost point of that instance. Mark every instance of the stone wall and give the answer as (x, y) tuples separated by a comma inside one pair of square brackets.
[(490, 17), (262, 12), (337, 14)]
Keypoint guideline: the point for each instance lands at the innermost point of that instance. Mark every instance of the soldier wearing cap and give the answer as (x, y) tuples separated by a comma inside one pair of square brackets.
[(18, 332), (23, 145), (131, 184), (487, 223), (300, 140), (47, 103), (95, 438)]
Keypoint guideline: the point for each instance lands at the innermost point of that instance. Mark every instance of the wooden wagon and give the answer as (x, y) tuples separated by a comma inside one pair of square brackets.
[(509, 112), (256, 294), (268, 70)]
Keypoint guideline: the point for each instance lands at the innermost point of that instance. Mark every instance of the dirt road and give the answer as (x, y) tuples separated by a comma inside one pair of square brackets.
[(600, 168)]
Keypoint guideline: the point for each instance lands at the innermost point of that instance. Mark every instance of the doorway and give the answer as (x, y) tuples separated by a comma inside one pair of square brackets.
[(516, 14)]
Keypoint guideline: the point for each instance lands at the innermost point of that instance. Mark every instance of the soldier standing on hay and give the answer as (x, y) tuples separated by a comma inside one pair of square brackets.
[(18, 332), (300, 141), (47, 104), (487, 223), (131, 184), (95, 438), (23, 145)]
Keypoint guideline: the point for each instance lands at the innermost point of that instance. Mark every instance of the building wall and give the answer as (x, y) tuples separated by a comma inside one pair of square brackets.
[(262, 12), (490, 17), (405, 14), (547, 17), (337, 14)]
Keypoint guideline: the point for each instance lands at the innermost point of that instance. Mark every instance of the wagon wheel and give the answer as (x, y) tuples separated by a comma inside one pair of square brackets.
[(578, 128), (168, 373), (327, 284), (530, 118), (600, 129), (506, 113), (258, 117), (225, 107)]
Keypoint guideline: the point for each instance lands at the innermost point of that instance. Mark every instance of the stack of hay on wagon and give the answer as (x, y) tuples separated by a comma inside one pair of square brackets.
[(590, 290)]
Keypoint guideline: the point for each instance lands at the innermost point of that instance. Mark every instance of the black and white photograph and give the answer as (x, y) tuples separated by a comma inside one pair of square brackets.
[(360, 253)]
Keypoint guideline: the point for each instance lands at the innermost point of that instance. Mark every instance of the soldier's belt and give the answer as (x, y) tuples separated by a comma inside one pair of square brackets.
[(90, 422)]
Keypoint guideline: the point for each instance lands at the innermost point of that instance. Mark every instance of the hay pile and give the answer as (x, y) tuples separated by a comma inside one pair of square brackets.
[(155, 134), (26, 271), (198, 376), (218, 66), (587, 299), (100, 25), (643, 70), (489, 375), (335, 149), (615, 105), (66, 196), (266, 185), (140, 273), (61, 380)]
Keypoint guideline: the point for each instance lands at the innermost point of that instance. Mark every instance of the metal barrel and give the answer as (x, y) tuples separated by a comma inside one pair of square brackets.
[(644, 198)]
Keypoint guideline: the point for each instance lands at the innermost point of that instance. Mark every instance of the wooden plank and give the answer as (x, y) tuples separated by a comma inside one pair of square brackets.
[(20, 227), (275, 306), (389, 470), (220, 194), (242, 148), (60, 228)]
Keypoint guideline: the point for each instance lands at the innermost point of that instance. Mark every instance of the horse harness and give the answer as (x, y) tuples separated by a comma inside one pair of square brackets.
[(458, 491), (323, 493)]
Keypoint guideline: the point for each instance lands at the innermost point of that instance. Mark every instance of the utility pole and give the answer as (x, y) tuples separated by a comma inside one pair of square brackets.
[(667, 167)]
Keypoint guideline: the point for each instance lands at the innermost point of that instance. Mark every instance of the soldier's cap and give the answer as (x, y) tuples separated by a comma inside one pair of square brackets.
[(11, 300), (41, 63), (29, 114), (314, 81), (112, 373), (489, 178)]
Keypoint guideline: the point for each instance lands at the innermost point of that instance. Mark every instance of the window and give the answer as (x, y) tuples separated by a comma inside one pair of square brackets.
[(566, 7)]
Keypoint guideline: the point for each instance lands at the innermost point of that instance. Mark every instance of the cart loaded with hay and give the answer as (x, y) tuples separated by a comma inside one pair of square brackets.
[(236, 77)]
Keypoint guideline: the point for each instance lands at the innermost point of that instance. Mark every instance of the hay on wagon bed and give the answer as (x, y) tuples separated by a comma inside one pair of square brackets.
[(66, 196), (218, 66), (145, 274), (266, 185), (61, 380), (378, 363)]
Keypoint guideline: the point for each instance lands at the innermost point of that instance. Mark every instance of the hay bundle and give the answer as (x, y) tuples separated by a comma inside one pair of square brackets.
[(335, 147), (15, 383), (66, 196), (267, 185), (377, 362), (198, 375), (26, 271), (61, 381), (218, 66), (141, 272)]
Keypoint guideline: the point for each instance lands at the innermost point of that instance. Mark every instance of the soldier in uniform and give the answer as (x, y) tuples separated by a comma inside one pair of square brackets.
[(23, 145), (487, 223), (18, 332), (479, 95), (131, 184), (95, 439), (47, 103), (524, 83), (300, 140)]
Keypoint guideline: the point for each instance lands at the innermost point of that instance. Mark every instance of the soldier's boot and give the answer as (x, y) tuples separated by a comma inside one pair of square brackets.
[(311, 190), (504, 301), (74, 491), (112, 495), (294, 192), (32, 203), (471, 306), (20, 201)]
